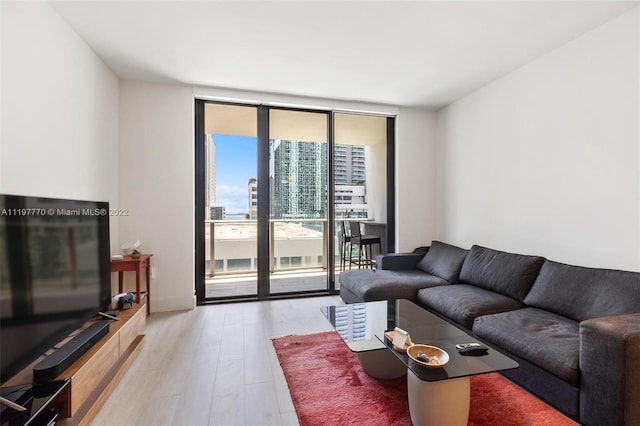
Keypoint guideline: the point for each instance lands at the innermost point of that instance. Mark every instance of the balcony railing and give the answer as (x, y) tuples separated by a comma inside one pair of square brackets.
[(295, 244)]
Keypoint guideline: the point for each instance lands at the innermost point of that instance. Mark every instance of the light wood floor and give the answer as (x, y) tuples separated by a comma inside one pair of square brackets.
[(214, 365)]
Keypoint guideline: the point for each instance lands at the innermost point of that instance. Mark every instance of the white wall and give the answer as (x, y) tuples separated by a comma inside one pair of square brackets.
[(546, 160), (415, 179), (59, 122), (157, 185)]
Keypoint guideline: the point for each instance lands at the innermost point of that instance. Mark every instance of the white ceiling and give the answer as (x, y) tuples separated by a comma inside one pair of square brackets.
[(419, 53)]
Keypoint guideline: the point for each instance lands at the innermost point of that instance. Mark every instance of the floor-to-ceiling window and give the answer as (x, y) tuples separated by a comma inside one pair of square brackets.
[(230, 200), (298, 200), (272, 188), (360, 182)]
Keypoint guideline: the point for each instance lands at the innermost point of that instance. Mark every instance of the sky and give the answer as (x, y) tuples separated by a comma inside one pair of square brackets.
[(236, 163)]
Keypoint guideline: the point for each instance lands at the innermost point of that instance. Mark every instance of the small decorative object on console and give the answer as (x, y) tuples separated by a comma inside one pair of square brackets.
[(123, 301), (430, 360), (130, 248), (400, 338)]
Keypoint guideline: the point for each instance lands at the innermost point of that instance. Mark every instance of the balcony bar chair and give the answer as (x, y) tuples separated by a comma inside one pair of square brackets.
[(364, 244), (345, 242)]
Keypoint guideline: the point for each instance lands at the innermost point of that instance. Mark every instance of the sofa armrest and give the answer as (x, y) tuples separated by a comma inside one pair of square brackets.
[(398, 261), (610, 370)]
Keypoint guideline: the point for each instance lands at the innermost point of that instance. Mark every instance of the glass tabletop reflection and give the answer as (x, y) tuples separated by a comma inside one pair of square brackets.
[(362, 326)]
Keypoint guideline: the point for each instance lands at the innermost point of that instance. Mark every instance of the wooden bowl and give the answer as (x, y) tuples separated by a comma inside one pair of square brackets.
[(433, 357)]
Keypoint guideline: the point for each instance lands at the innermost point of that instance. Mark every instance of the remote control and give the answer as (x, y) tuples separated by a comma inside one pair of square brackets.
[(472, 349), (105, 315)]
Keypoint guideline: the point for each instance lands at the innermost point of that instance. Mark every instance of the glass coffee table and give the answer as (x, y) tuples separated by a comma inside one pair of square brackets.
[(436, 395), (358, 324)]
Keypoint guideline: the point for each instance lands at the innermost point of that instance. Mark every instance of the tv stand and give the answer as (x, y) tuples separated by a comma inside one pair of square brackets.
[(40, 404), (93, 376)]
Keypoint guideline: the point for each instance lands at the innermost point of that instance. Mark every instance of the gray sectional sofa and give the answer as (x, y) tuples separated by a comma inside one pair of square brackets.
[(575, 331)]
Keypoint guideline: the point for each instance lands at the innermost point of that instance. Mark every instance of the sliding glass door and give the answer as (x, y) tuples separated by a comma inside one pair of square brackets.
[(360, 183), (272, 191), (230, 195), (298, 207)]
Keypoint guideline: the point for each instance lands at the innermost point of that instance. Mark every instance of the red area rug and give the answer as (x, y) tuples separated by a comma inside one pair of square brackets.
[(328, 387)]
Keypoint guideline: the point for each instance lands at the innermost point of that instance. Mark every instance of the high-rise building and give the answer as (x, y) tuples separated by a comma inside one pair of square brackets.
[(210, 172), (340, 164), (253, 198), (349, 163), (298, 179), (350, 181), (357, 172), (218, 213)]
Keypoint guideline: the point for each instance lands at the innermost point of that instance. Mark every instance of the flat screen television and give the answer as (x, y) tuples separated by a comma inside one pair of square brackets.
[(54, 273)]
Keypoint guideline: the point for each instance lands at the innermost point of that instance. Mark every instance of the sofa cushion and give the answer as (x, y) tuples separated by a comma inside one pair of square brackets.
[(583, 293), (548, 340), (505, 273), (443, 260), (463, 303), (369, 285)]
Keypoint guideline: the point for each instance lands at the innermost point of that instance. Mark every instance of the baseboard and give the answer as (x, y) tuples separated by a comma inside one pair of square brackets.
[(172, 304)]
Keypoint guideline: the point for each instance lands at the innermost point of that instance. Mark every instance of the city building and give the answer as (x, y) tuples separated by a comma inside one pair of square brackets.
[(349, 163), (298, 179), (351, 201), (218, 213), (350, 181), (210, 179), (253, 198)]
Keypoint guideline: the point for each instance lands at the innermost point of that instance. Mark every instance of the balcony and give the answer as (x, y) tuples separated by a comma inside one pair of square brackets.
[(232, 285), (298, 262)]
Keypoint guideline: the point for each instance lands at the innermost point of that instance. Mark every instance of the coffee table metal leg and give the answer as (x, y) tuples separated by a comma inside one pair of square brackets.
[(381, 364), (444, 402)]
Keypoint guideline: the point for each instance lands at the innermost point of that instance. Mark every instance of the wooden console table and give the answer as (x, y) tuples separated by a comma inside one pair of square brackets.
[(95, 374), (134, 264)]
